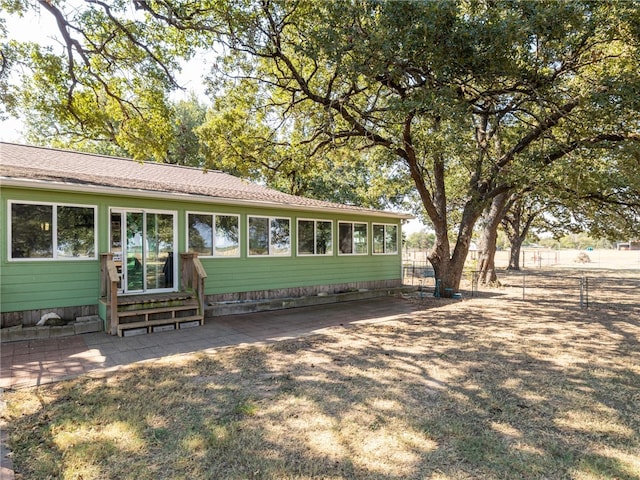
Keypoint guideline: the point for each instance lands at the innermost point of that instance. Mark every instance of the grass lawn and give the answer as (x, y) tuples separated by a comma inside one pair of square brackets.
[(492, 388)]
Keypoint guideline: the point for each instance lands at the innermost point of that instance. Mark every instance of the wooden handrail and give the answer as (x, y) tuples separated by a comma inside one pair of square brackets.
[(193, 277), (109, 289)]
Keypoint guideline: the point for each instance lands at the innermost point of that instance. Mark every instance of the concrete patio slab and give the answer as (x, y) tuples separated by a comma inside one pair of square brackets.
[(42, 361)]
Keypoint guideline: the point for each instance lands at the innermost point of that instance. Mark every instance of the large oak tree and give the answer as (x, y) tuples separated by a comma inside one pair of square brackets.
[(468, 98)]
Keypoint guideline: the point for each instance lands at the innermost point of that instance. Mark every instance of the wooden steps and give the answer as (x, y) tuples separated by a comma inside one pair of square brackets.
[(148, 312)]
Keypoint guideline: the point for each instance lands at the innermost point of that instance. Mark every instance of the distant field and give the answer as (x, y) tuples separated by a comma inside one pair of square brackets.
[(545, 257)]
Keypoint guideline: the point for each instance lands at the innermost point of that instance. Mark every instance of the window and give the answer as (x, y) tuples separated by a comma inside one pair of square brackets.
[(315, 237), (352, 238), (49, 231), (226, 233), (269, 236), (385, 239), (214, 235)]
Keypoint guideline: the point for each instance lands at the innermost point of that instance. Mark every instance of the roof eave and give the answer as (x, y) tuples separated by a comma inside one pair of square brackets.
[(108, 190)]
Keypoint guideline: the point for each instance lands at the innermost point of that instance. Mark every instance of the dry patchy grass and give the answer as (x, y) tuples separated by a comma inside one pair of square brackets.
[(480, 388)]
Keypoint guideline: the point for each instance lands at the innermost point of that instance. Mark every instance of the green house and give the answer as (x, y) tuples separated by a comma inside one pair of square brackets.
[(86, 234)]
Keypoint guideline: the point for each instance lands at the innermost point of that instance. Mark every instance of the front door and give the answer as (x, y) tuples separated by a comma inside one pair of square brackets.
[(143, 243)]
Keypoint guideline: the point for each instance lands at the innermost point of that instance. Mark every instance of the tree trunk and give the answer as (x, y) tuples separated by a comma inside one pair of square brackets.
[(448, 268), (439, 256), (514, 256), (490, 222), (516, 231)]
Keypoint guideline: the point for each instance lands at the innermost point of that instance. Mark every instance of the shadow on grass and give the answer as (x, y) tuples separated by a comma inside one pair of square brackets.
[(470, 389)]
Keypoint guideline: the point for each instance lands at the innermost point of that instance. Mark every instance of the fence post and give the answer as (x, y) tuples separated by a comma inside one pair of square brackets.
[(474, 282), (586, 290), (523, 283)]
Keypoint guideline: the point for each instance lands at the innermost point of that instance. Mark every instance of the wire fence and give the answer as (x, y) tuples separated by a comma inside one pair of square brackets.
[(416, 273), (584, 289), (421, 274)]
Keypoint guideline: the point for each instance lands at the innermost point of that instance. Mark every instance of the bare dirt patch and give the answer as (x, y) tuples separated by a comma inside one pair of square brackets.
[(489, 387)]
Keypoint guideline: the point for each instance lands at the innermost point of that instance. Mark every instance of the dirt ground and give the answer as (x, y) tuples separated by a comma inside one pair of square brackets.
[(489, 387)]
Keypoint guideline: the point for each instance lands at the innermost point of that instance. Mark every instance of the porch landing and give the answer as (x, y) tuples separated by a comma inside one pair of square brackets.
[(147, 298)]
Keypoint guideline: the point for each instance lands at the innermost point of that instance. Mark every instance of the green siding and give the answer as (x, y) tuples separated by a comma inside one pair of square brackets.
[(33, 284), (249, 274)]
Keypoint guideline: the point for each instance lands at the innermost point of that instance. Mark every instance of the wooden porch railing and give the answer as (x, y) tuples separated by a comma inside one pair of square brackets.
[(193, 277), (109, 289)]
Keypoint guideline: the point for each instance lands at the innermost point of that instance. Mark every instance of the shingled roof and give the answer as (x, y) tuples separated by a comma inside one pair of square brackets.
[(73, 169)]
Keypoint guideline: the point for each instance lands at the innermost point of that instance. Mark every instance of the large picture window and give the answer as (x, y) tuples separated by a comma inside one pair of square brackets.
[(269, 236), (385, 239), (352, 238), (315, 237), (214, 235), (50, 231)]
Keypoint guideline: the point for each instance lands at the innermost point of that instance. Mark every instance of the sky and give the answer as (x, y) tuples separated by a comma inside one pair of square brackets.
[(41, 28), (38, 28)]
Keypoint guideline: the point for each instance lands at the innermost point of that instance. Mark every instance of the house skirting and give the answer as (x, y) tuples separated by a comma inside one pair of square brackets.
[(238, 302), (264, 300), (301, 291), (28, 318)]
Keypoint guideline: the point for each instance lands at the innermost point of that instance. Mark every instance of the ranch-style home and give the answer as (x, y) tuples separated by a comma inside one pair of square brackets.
[(150, 245)]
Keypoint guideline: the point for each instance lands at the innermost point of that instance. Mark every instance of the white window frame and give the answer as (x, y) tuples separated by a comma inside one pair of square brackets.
[(353, 240), (213, 216), (315, 237), (174, 213), (384, 238), (269, 253), (54, 232)]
